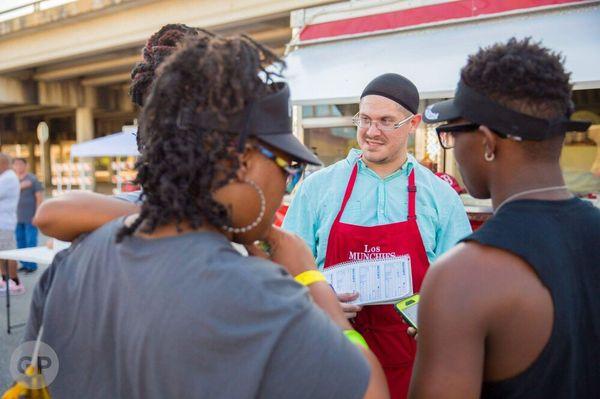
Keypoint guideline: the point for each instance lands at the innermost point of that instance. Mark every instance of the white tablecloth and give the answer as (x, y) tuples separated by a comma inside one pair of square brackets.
[(40, 255)]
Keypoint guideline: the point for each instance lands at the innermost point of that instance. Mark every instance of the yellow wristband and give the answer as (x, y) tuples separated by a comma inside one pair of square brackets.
[(355, 337), (310, 277)]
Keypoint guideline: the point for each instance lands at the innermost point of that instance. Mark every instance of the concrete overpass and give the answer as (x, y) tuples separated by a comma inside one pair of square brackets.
[(69, 65)]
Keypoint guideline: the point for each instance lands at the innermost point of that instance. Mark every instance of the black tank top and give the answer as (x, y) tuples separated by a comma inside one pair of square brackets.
[(560, 240)]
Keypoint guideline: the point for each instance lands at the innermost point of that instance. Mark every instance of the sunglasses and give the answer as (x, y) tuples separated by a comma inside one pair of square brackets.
[(294, 172)]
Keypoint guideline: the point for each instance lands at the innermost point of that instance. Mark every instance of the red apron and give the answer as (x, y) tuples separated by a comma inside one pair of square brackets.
[(383, 328)]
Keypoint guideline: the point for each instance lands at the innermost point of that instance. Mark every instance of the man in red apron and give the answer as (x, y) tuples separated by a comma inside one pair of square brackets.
[(380, 202), (380, 325)]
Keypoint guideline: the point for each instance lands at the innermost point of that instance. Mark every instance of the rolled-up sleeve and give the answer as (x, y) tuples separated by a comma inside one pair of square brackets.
[(301, 218)]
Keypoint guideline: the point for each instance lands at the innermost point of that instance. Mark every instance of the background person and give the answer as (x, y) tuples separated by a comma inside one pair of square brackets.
[(513, 311), (160, 305), (380, 197), (32, 195), (9, 199)]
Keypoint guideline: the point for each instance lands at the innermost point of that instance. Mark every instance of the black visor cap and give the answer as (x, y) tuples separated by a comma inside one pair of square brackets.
[(268, 119), (479, 109), (271, 121)]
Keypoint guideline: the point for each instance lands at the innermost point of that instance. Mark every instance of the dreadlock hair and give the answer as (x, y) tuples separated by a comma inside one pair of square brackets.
[(526, 77), (184, 163), (158, 47)]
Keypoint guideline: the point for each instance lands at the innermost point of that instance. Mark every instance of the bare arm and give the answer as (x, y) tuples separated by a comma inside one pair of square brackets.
[(39, 197), (452, 330), (484, 316), (77, 212), (25, 184)]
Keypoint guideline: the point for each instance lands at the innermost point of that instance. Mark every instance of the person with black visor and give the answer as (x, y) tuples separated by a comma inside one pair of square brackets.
[(513, 311), (218, 154)]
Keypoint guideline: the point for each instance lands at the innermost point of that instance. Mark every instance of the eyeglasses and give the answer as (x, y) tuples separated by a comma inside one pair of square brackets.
[(364, 122), (446, 133), (294, 172)]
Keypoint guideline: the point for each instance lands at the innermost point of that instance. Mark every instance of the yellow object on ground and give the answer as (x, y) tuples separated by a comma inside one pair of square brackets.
[(23, 390)]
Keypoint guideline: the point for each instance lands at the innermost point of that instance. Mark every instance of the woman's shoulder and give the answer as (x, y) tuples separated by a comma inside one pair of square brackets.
[(255, 286), (250, 269)]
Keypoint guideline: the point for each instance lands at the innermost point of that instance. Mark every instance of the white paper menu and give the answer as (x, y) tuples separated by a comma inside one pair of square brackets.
[(378, 281)]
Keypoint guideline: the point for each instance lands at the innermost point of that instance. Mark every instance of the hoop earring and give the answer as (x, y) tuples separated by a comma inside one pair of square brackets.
[(489, 157), (261, 214)]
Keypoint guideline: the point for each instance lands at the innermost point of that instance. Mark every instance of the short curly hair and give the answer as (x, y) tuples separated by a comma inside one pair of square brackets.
[(182, 164), (526, 77), (521, 75)]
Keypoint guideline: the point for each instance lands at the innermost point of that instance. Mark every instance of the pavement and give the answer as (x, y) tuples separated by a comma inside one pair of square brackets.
[(19, 306)]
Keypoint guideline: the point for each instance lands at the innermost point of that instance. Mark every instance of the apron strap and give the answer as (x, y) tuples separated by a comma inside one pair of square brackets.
[(412, 194), (348, 192)]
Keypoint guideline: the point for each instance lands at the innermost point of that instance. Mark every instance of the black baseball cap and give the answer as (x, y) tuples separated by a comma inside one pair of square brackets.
[(395, 87), (268, 119)]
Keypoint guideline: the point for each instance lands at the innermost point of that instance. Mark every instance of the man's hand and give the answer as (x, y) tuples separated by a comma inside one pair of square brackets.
[(350, 310), (25, 184), (412, 332), (288, 250)]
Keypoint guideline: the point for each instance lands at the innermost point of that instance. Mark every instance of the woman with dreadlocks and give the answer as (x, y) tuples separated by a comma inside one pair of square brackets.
[(218, 157), (77, 212)]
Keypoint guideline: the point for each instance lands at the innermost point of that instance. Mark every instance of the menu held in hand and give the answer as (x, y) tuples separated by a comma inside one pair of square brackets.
[(378, 281)]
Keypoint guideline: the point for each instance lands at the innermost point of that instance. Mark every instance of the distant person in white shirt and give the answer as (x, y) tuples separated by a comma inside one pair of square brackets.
[(9, 200)]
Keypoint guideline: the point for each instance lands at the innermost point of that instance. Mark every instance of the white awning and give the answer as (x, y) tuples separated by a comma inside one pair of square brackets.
[(120, 144), (336, 72)]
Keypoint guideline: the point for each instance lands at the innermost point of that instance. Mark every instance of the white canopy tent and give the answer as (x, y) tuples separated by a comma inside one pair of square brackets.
[(335, 72), (122, 144)]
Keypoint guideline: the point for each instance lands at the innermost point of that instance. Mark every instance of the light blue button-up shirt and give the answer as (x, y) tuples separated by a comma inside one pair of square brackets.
[(374, 201)]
